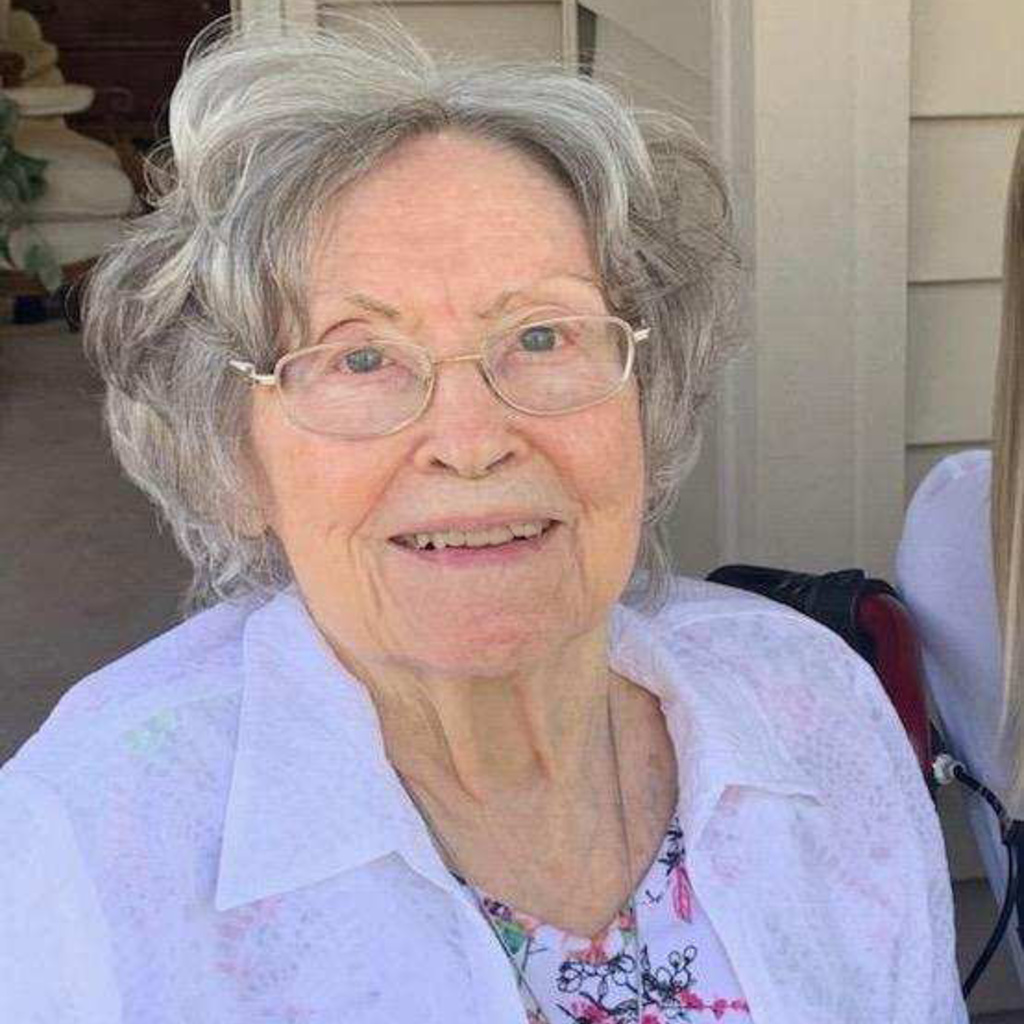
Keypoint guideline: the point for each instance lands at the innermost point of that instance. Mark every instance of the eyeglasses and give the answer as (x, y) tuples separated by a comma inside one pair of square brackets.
[(375, 385)]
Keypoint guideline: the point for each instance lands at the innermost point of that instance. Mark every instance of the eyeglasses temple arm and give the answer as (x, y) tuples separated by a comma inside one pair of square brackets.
[(248, 371)]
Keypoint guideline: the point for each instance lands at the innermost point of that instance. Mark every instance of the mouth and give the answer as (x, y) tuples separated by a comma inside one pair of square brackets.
[(495, 536), (497, 543)]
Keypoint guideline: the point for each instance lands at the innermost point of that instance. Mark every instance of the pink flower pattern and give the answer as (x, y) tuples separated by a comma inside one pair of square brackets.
[(594, 980)]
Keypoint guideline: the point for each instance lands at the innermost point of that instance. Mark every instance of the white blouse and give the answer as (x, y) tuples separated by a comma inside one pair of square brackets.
[(944, 571), (208, 831)]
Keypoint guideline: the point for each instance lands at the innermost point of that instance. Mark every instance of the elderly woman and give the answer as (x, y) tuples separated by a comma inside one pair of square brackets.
[(409, 357)]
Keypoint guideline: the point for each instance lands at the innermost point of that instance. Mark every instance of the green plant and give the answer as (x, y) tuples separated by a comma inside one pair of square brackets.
[(22, 181)]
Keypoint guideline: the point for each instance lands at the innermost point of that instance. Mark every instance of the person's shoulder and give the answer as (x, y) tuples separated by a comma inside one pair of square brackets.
[(198, 657), (738, 622), (799, 704), (945, 544), (965, 475), (753, 674), (197, 661), (731, 615), (780, 656), (972, 462), (749, 641), (819, 696), (688, 599)]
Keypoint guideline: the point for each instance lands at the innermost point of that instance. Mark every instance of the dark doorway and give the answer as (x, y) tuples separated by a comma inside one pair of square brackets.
[(130, 52)]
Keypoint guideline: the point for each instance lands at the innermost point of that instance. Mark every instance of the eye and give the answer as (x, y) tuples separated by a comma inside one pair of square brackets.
[(363, 360), (539, 338)]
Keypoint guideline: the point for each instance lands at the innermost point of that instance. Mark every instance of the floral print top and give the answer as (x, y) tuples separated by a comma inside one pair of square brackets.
[(686, 973)]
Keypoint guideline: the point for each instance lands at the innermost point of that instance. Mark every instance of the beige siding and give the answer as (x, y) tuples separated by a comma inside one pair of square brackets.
[(967, 98), (813, 421), (967, 57), (959, 168), (953, 337)]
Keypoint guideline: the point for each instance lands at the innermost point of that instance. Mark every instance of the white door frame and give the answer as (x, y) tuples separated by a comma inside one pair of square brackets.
[(813, 122)]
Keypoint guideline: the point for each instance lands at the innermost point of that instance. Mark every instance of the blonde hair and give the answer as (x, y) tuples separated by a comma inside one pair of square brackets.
[(1007, 510)]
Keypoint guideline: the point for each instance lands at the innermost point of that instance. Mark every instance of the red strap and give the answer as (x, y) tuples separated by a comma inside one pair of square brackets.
[(898, 665)]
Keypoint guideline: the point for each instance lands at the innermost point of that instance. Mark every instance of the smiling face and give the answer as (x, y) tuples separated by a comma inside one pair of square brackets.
[(446, 241)]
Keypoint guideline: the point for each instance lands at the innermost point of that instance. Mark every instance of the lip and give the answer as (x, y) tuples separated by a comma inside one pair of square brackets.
[(467, 557), (469, 523)]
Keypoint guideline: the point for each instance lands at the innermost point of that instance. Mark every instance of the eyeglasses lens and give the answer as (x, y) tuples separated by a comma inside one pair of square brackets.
[(561, 364)]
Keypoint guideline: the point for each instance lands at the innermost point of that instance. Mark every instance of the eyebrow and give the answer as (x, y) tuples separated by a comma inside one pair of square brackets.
[(372, 305), (496, 308), (506, 298)]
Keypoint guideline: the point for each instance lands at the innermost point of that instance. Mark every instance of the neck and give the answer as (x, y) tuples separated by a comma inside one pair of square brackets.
[(540, 727), (562, 757)]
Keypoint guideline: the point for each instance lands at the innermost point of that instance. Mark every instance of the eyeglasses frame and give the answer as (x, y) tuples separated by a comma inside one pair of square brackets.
[(635, 335)]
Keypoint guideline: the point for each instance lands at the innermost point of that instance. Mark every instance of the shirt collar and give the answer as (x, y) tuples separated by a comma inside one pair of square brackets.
[(310, 761), (723, 733)]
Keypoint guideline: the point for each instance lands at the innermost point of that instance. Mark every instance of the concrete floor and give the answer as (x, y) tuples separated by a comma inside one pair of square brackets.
[(85, 573)]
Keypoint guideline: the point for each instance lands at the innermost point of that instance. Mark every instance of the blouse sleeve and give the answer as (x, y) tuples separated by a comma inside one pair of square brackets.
[(900, 775), (56, 965)]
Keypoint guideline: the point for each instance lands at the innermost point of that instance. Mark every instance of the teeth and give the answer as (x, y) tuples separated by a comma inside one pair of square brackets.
[(482, 538), (527, 529), (475, 538)]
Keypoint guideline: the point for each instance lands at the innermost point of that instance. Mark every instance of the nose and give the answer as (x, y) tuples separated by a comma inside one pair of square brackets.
[(467, 429)]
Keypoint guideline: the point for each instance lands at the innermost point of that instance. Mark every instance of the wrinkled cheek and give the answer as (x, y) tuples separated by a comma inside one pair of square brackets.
[(615, 524), (373, 598)]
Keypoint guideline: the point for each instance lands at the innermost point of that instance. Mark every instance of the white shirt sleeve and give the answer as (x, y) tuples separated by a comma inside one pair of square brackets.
[(944, 570), (56, 965), (916, 822)]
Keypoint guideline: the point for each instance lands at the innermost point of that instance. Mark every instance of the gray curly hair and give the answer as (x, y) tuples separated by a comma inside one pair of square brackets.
[(264, 131)]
